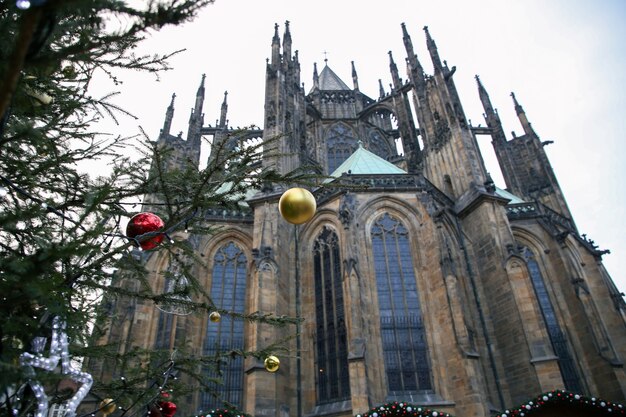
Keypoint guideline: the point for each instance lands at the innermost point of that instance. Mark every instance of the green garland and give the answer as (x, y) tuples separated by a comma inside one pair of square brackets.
[(564, 397), (225, 412), (402, 409)]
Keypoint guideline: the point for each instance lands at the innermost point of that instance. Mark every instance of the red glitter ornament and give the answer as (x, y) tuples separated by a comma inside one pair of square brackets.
[(168, 408), (143, 223)]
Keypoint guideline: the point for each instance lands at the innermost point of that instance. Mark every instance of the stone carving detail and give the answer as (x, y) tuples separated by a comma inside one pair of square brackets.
[(430, 204), (442, 132), (271, 116), (448, 265), (265, 253), (337, 97), (217, 214), (534, 209), (580, 285), (515, 250), (347, 207)]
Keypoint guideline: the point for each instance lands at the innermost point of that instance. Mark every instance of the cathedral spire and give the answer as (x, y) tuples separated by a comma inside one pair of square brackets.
[(484, 97), (521, 115), (316, 77), (224, 111), (491, 116), (287, 43), (397, 82), (275, 47), (169, 115), (355, 77), (200, 97), (410, 52), (381, 89), (406, 38), (196, 118), (432, 49)]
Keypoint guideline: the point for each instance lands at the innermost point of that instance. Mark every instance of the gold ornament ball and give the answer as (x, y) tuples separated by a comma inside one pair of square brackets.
[(107, 406), (297, 205), (272, 363), (215, 316)]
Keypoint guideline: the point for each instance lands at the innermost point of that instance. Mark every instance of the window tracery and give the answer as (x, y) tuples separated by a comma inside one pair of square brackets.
[(340, 144), (228, 292), (378, 145), (402, 328), (166, 323), (557, 338), (331, 350)]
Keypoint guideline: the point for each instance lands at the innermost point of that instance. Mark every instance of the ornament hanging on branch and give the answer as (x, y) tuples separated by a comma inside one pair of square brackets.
[(297, 205), (215, 316), (145, 223), (272, 363), (58, 351), (166, 406), (179, 302), (107, 406)]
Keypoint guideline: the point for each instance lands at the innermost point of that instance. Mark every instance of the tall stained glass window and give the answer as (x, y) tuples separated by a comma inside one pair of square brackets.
[(402, 329), (165, 324), (340, 144), (228, 291), (557, 337), (333, 383), (378, 144)]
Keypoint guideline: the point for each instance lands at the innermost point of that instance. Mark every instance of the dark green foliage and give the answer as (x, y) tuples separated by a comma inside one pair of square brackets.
[(60, 238)]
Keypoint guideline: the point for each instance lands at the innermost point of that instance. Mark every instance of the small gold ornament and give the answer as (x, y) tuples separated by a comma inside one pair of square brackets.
[(107, 406), (215, 316), (272, 363), (297, 205)]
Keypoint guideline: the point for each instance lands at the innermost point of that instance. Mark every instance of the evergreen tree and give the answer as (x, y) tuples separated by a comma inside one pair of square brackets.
[(60, 237)]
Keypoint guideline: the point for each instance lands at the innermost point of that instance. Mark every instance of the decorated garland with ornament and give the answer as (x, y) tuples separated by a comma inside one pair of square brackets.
[(401, 409), (163, 406), (556, 397), (225, 412)]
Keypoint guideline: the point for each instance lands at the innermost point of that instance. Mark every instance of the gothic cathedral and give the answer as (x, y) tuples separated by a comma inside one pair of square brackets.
[(421, 282)]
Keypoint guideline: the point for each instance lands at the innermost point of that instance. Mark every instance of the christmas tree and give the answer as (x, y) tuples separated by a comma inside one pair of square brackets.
[(64, 256)]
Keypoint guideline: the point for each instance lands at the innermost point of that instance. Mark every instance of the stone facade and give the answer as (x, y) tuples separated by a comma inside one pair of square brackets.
[(512, 300)]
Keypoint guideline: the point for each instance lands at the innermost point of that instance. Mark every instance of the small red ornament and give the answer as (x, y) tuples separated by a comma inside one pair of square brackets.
[(168, 408), (143, 223)]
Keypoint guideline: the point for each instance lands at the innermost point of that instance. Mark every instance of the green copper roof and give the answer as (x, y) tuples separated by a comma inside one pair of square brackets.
[(363, 161), (514, 199), (330, 81), (227, 186)]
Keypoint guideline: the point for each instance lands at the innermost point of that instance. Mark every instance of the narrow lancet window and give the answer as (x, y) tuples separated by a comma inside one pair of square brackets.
[(557, 337), (228, 292), (331, 351), (166, 321), (402, 329)]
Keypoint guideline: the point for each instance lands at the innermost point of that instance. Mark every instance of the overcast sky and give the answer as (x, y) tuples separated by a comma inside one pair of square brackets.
[(564, 59)]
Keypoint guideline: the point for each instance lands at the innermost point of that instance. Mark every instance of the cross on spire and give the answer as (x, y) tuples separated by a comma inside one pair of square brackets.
[(325, 57)]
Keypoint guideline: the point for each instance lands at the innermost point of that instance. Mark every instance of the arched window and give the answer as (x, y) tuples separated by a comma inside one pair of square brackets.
[(378, 145), (228, 291), (166, 322), (557, 337), (401, 326), (333, 383), (340, 144)]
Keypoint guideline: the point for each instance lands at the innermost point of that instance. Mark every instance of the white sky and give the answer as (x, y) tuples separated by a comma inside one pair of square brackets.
[(564, 59)]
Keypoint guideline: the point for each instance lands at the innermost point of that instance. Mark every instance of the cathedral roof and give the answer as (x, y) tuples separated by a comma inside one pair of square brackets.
[(514, 199), (331, 81), (363, 161)]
